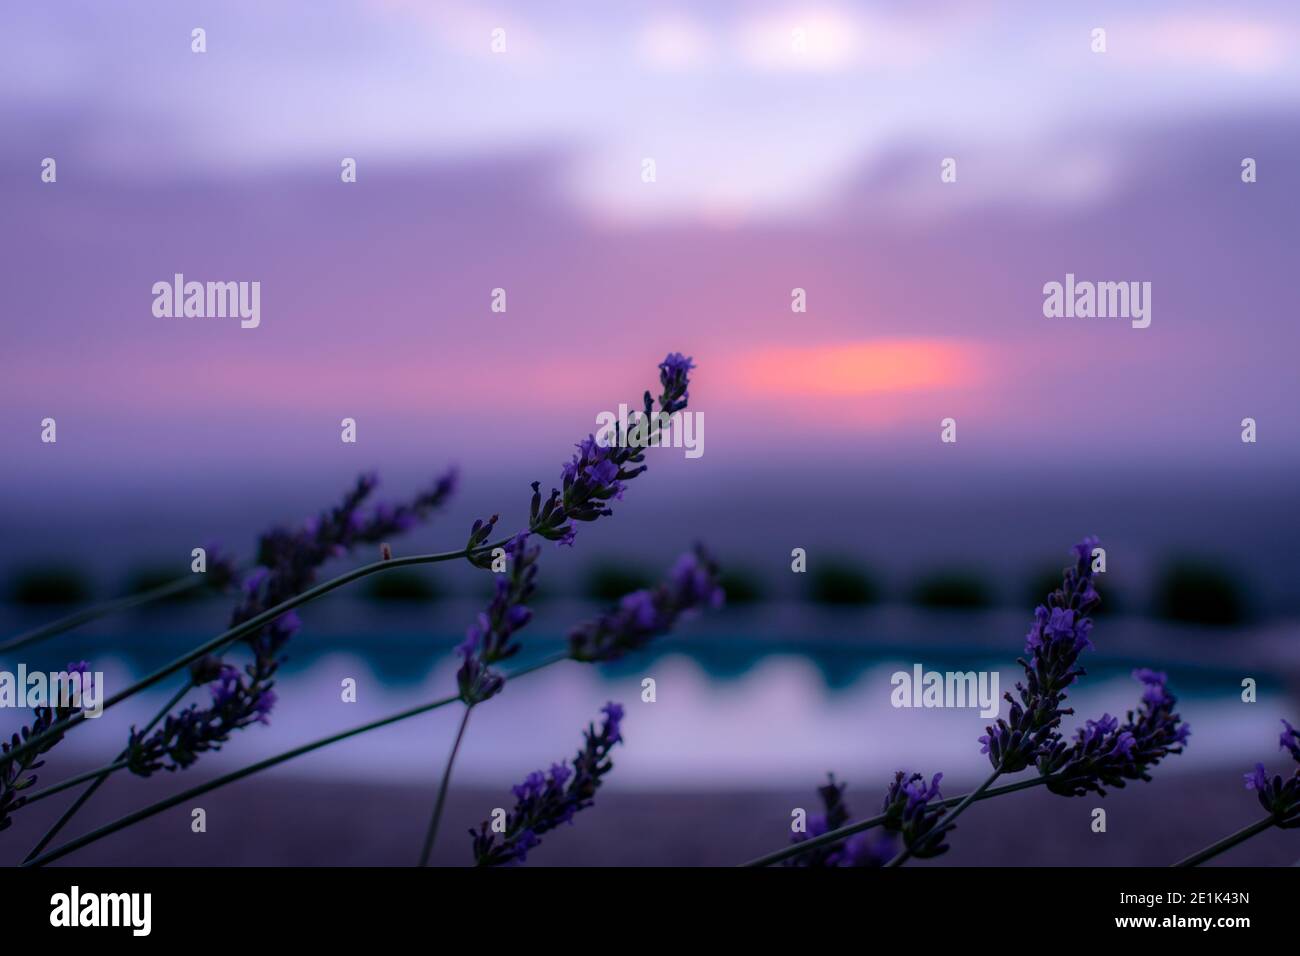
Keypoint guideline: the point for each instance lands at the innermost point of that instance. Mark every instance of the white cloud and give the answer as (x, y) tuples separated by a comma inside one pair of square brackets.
[(831, 40), (1237, 44), (674, 42)]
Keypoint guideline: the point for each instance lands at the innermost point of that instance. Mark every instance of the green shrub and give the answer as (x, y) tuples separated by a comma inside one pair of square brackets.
[(952, 590), (1200, 592), (742, 585), (608, 581), (54, 584), (839, 581)]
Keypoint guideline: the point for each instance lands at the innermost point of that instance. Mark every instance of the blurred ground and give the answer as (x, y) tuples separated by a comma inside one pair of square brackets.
[(274, 821)]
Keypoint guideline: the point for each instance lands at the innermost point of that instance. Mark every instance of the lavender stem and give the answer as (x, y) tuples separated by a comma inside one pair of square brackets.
[(247, 627), (55, 788), (85, 615), (100, 776), (155, 808), (442, 789), (844, 832), (1227, 843)]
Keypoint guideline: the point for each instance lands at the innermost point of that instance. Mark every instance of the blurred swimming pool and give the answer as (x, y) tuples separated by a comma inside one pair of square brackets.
[(768, 697)]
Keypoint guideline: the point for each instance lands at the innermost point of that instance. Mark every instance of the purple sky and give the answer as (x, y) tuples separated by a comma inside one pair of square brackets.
[(776, 169)]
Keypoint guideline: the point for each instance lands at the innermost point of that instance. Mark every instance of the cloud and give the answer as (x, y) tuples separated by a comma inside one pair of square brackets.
[(830, 40), (675, 42), (1236, 43)]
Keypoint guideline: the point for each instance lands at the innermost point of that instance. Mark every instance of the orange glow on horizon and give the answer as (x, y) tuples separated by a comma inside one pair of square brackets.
[(861, 368)]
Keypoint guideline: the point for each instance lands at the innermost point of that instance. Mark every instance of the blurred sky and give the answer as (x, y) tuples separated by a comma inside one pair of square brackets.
[(776, 169)]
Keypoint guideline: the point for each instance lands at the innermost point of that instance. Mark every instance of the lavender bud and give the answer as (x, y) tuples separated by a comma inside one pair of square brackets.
[(1060, 632), (644, 615), (544, 801), (598, 473), (1279, 795), (867, 849)]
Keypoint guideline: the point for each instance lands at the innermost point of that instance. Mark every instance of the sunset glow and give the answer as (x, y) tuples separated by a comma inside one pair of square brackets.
[(863, 368)]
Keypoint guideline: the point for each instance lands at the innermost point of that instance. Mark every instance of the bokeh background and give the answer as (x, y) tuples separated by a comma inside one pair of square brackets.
[(775, 170)]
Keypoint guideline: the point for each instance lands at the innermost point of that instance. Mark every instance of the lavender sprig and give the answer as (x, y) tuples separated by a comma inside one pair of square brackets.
[(223, 568), (908, 811), (599, 469), (642, 615), (490, 639), (544, 801), (835, 816), (638, 618), (675, 381), (1106, 752), (860, 850), (912, 810), (1055, 640), (1058, 635), (1103, 752), (17, 775), (288, 561), (594, 476), (478, 537), (1279, 795)]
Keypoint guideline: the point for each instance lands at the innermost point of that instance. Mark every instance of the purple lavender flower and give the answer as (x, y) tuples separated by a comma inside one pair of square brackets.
[(674, 377), (908, 812), (288, 562), (866, 849), (223, 570), (1106, 752), (1279, 795), (16, 775), (223, 688), (543, 801), (598, 472), (835, 816), (1060, 632), (479, 534), (475, 681), (491, 633), (1289, 740), (644, 615), (869, 849), (489, 638)]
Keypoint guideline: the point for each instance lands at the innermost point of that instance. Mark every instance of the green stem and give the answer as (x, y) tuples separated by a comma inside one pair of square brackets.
[(240, 630), (442, 789), (848, 830), (952, 814), (1227, 843), (100, 776), (77, 618), (155, 808), (62, 785)]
